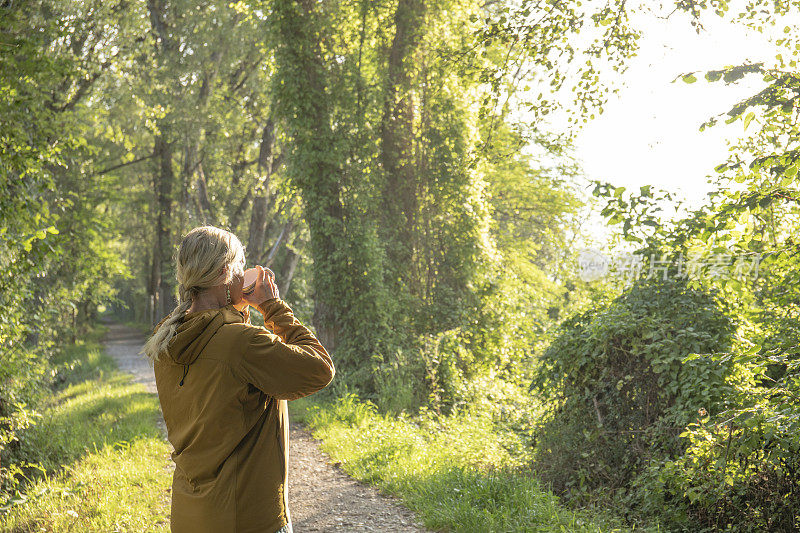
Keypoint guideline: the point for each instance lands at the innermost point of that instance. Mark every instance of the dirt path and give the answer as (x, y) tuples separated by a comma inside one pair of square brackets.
[(321, 496)]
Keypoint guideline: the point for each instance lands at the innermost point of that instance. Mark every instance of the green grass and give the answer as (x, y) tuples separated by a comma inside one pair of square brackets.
[(455, 472), (104, 465), (143, 327)]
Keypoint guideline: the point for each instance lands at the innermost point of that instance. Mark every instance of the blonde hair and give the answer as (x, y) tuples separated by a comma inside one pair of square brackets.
[(202, 254)]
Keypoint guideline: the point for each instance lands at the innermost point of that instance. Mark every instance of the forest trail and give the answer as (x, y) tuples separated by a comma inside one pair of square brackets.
[(321, 496)]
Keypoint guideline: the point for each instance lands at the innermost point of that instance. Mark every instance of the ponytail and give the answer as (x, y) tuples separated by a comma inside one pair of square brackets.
[(158, 342)]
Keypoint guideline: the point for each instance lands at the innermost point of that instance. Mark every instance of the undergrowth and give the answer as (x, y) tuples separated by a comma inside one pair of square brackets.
[(95, 460), (456, 472)]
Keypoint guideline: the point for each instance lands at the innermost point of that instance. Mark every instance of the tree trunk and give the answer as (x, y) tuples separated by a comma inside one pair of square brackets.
[(283, 237), (258, 227), (287, 273), (163, 251), (258, 219), (313, 168), (399, 195), (155, 283), (237, 214), (207, 214), (163, 176), (352, 313)]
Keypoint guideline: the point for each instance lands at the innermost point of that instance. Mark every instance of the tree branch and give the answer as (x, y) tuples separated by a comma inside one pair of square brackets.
[(121, 165)]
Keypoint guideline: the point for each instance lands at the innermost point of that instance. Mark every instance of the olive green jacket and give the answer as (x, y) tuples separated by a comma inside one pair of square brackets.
[(223, 386)]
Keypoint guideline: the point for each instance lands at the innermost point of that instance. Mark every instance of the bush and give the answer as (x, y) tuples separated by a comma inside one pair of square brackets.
[(620, 391), (741, 470), (97, 439), (28, 377), (23, 385)]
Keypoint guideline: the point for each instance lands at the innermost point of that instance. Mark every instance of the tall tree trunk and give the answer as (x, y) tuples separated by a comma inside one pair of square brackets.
[(258, 226), (147, 268), (399, 195), (287, 272), (348, 291), (258, 218), (160, 284), (236, 216), (283, 238), (166, 177), (207, 214), (155, 283), (317, 173)]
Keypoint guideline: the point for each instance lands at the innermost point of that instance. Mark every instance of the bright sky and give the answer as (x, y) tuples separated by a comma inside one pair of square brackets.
[(648, 132)]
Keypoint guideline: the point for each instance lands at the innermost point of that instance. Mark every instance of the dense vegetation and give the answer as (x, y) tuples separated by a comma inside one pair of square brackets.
[(97, 438), (372, 154)]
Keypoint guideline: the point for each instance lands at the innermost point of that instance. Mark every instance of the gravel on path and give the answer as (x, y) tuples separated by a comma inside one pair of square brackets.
[(321, 496)]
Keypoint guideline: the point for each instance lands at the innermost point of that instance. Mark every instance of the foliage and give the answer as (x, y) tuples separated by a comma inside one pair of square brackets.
[(29, 380), (96, 439), (546, 48), (53, 276), (620, 390), (459, 472), (186, 114), (369, 151), (412, 212), (740, 469)]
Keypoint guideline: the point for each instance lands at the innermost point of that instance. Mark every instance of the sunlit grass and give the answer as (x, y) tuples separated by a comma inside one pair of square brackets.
[(105, 464), (452, 471)]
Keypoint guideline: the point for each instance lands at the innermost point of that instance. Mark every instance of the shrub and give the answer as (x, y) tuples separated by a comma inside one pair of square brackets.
[(741, 469), (29, 375), (620, 391), (22, 386)]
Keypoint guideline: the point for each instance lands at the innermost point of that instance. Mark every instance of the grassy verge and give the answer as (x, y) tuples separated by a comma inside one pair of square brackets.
[(103, 465), (142, 327), (455, 472)]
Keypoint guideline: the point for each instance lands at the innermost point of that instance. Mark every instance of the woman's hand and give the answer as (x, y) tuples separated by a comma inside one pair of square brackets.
[(264, 290)]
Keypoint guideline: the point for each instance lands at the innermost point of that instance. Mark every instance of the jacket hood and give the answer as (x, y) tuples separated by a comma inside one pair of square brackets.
[(195, 330)]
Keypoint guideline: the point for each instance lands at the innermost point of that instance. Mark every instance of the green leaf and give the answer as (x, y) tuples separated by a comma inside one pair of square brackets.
[(689, 78), (753, 349), (748, 119)]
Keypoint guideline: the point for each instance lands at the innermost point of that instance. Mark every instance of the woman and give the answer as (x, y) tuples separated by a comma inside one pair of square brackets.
[(223, 385)]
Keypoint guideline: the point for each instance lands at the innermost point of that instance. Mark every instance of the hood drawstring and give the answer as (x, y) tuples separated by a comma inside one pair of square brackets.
[(185, 371)]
